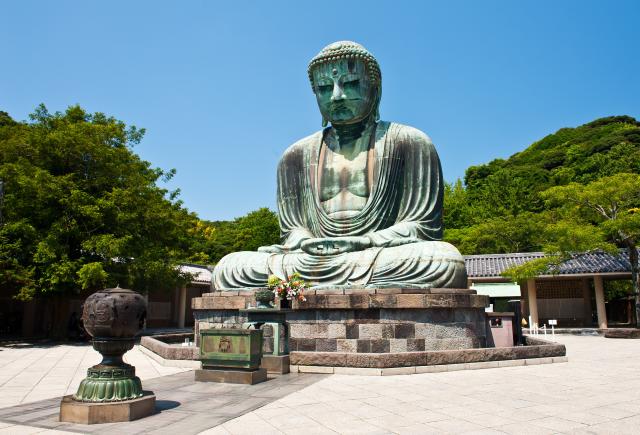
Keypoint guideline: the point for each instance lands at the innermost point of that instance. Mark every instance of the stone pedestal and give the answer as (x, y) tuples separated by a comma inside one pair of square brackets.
[(276, 364), (248, 377), (349, 327), (73, 411)]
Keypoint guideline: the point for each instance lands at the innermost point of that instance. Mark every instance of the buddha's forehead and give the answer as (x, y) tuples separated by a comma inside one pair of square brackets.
[(339, 67)]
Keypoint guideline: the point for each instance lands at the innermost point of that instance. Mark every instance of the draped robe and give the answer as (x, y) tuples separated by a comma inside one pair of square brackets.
[(404, 203)]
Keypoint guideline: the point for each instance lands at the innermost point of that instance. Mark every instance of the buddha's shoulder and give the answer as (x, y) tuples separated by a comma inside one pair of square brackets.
[(407, 134), (303, 145)]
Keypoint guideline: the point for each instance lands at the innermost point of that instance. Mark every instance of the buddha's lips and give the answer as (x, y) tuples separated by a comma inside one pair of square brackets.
[(338, 107)]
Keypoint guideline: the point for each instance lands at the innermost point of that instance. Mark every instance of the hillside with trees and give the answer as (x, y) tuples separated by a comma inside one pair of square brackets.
[(501, 207)]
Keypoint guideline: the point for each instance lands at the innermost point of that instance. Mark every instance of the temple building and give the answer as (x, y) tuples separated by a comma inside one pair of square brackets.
[(575, 296)]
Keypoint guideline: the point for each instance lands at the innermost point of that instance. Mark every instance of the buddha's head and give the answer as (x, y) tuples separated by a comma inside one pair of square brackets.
[(347, 83)]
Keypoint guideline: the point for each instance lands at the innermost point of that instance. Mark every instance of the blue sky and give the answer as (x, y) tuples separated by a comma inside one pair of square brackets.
[(222, 89)]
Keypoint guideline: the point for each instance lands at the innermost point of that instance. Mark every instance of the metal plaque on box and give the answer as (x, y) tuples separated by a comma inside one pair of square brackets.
[(231, 348)]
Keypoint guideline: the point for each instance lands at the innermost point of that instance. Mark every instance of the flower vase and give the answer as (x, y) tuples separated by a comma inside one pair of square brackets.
[(285, 303)]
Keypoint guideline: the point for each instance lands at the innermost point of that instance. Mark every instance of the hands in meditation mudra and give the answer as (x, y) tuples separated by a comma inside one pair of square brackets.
[(359, 202)]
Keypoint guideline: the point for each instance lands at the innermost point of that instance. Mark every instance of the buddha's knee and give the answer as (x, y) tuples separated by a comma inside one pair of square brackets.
[(433, 264), (424, 251), (241, 269)]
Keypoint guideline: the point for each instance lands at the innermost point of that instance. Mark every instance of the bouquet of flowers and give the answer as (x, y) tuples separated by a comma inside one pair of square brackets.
[(292, 288)]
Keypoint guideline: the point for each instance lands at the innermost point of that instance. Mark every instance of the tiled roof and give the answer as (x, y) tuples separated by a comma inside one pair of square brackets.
[(492, 265), (201, 275)]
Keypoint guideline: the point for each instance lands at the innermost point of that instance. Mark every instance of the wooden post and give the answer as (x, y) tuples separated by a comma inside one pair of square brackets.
[(586, 295), (533, 303), (602, 311), (28, 318), (182, 306)]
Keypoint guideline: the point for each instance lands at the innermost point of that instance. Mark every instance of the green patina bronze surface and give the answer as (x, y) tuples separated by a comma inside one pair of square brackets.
[(359, 202), (112, 380), (231, 348), (276, 319), (109, 385)]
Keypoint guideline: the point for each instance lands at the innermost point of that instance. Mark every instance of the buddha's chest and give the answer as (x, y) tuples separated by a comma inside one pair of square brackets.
[(340, 174)]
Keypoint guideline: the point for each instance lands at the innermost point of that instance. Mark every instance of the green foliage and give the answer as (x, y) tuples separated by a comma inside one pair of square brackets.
[(501, 206), (521, 233), (617, 289), (81, 210), (530, 269), (92, 275), (600, 215), (246, 233)]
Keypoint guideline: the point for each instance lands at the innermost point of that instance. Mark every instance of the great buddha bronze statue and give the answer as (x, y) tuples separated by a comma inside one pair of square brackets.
[(359, 202)]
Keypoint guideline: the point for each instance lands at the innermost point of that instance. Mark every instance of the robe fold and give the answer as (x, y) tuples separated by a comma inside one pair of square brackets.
[(404, 205)]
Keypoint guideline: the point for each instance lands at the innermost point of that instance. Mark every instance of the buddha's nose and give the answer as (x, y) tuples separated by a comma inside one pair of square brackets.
[(338, 93)]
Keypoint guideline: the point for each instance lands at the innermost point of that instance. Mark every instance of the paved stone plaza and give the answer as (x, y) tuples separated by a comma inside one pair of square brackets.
[(597, 391), (30, 373)]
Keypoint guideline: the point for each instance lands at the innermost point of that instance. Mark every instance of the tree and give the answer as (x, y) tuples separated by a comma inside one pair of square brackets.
[(521, 233), (603, 214), (500, 207), (81, 210), (246, 233)]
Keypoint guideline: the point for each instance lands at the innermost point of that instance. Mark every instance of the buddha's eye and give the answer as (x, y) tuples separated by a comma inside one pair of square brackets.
[(352, 83), (324, 88)]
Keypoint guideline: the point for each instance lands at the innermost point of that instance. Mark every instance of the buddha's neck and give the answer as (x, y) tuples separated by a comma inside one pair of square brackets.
[(352, 135)]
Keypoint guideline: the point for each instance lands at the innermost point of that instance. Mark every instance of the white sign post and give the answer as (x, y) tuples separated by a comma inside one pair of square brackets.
[(552, 323)]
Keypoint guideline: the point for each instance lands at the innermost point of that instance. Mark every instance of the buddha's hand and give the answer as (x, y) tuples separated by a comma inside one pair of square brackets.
[(401, 241), (335, 245), (278, 249)]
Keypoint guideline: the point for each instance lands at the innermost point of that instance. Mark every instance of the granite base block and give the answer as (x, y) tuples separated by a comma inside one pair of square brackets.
[(247, 377), (73, 411), (275, 364), (631, 333)]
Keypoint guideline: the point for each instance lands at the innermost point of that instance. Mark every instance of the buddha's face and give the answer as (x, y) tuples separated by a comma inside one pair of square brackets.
[(343, 90)]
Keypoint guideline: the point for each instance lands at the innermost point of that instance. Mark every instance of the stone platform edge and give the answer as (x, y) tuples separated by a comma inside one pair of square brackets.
[(411, 370), (535, 349), (352, 298), (160, 355)]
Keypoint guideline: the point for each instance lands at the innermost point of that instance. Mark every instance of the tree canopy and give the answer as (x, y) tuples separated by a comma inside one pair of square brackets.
[(246, 233), (80, 210), (601, 215), (501, 207)]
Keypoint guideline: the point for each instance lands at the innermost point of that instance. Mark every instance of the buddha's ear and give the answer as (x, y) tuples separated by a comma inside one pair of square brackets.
[(376, 115), (324, 122)]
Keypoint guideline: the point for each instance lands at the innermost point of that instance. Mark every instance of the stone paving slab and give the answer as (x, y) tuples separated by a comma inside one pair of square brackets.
[(596, 392), (34, 372), (185, 407)]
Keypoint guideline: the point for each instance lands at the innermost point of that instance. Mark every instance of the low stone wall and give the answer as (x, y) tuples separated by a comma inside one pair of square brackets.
[(169, 351), (173, 338), (622, 333), (535, 348)]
